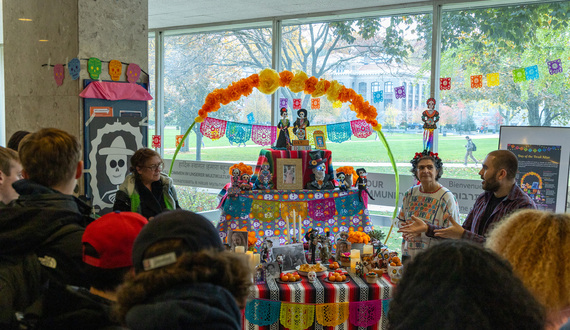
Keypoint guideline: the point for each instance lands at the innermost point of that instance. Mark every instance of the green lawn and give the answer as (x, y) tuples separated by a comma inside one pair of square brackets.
[(403, 146)]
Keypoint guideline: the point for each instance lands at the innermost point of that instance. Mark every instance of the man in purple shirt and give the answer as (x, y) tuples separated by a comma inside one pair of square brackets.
[(502, 196)]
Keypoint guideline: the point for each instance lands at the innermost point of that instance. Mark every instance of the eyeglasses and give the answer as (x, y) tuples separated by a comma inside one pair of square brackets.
[(155, 167)]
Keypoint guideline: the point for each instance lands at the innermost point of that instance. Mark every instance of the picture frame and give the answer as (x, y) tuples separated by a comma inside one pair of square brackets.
[(289, 173), (319, 140), (237, 238), (293, 255), (272, 269)]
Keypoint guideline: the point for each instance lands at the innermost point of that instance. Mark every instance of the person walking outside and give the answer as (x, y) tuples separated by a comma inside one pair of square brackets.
[(470, 147)]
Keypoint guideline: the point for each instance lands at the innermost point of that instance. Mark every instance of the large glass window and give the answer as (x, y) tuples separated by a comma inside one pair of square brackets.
[(481, 51)]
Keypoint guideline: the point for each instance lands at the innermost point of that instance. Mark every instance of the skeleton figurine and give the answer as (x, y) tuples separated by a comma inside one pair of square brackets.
[(301, 123), (362, 183), (312, 276), (343, 184), (234, 188), (279, 260), (320, 180), (245, 184), (325, 252), (311, 237)]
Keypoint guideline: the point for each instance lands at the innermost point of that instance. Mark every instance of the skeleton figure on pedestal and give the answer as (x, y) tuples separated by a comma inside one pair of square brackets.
[(301, 123), (320, 180), (343, 184), (362, 183)]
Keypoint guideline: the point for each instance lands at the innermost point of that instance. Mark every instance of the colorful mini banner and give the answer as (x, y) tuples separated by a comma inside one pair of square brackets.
[(477, 81), (555, 66), (322, 210), (531, 72), (300, 209), (297, 316), (179, 139), (263, 135), (250, 118), (348, 206), (238, 207), (365, 313), (360, 128), (311, 129), (213, 128), (331, 315), (493, 79), (296, 104), (519, 75), (265, 210), (339, 132), (445, 83), (283, 102), (378, 96), (315, 104), (262, 312), (400, 92), (156, 141), (238, 132)]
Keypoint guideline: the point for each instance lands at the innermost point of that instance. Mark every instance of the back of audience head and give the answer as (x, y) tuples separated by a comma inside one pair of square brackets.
[(194, 253), (15, 139), (51, 157), (460, 285), (107, 248), (537, 244), (505, 160), (10, 171)]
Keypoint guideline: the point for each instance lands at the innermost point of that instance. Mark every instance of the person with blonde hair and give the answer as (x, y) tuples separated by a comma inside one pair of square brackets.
[(10, 172), (537, 244)]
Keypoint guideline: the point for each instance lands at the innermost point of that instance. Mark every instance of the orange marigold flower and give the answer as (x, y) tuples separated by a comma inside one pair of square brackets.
[(344, 94), (285, 78), (226, 97), (297, 84), (321, 88), (310, 85), (234, 92), (253, 80), (333, 91), (268, 81)]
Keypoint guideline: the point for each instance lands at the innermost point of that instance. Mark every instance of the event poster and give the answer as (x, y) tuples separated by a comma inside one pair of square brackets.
[(539, 168)]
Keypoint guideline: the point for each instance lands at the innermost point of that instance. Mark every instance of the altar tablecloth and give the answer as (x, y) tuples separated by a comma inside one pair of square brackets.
[(321, 292)]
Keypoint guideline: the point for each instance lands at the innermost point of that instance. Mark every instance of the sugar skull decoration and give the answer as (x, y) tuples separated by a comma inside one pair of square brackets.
[(116, 165), (395, 273), (115, 70), (74, 67), (94, 67), (133, 73), (58, 74), (312, 276), (430, 116)]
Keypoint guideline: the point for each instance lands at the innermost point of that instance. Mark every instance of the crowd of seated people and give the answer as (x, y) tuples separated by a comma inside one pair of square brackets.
[(161, 267)]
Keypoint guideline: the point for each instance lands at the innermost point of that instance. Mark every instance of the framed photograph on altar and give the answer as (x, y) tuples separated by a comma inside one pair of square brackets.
[(319, 138), (271, 269), (237, 238), (290, 256), (289, 173)]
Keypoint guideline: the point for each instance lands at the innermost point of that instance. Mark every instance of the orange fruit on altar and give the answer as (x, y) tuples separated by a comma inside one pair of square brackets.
[(396, 260), (297, 277), (343, 278), (392, 264), (332, 278), (285, 278)]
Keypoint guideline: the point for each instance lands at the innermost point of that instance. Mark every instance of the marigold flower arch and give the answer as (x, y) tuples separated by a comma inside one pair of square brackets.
[(268, 81)]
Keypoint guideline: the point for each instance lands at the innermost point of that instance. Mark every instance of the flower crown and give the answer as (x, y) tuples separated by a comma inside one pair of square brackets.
[(426, 153)]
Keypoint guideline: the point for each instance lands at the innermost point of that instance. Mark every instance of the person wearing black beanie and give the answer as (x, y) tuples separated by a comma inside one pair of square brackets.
[(184, 278)]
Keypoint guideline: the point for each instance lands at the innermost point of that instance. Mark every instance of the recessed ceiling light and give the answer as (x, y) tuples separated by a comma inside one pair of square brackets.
[(25, 19)]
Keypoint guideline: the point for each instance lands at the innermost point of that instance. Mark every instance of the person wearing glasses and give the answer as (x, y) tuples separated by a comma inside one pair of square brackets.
[(146, 190)]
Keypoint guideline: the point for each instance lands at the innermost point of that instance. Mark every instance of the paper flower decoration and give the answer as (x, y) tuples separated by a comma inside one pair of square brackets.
[(179, 139), (493, 79), (268, 81), (445, 83), (378, 96), (296, 104), (315, 104), (477, 81), (283, 102), (337, 104), (519, 75), (321, 88), (400, 92), (297, 84), (531, 72), (156, 141), (58, 74), (555, 66)]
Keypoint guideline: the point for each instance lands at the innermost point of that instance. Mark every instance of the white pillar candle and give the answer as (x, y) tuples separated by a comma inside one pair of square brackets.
[(355, 253), (368, 248), (256, 259), (294, 228), (288, 232), (300, 228), (240, 249), (353, 262)]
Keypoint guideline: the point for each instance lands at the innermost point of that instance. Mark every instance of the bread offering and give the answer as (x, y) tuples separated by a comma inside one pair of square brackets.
[(304, 269)]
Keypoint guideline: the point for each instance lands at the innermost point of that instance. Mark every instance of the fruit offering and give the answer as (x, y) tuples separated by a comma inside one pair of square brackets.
[(290, 277), (395, 261), (337, 276), (334, 265)]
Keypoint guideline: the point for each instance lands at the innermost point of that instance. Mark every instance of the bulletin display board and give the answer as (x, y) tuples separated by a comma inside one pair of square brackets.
[(543, 154), (114, 130)]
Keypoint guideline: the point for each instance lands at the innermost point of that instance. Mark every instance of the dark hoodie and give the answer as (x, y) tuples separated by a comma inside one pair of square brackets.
[(188, 306), (49, 224)]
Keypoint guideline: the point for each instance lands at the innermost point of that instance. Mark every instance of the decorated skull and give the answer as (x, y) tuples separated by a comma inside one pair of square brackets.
[(74, 67), (94, 67), (115, 69), (395, 273), (116, 160), (133, 72), (58, 74), (312, 276)]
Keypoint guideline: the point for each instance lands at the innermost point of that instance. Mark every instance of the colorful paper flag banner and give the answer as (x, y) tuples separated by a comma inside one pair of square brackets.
[(315, 104), (296, 104), (179, 139), (156, 141), (445, 83), (531, 72), (378, 96), (555, 66), (477, 81), (400, 92), (519, 75), (493, 79), (283, 102)]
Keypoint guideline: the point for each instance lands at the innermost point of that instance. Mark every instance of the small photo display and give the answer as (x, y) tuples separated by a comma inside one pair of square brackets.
[(237, 238), (289, 256), (271, 269)]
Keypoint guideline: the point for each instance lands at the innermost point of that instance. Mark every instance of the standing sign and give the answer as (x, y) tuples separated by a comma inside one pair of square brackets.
[(543, 154)]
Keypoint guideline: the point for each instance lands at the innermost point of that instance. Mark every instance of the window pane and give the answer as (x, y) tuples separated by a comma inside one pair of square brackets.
[(481, 49)]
